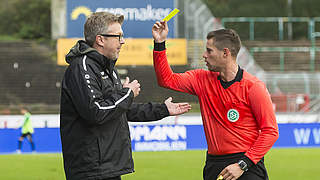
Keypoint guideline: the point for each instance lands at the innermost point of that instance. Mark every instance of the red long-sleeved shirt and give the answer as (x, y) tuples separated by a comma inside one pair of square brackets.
[(239, 118)]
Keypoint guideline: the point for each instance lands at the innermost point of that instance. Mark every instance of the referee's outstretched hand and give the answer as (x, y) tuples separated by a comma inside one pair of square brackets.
[(176, 108)]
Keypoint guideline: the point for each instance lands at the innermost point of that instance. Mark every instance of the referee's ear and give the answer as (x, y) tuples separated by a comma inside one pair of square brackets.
[(226, 52)]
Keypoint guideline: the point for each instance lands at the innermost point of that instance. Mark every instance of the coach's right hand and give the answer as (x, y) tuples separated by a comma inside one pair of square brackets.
[(160, 31), (134, 86)]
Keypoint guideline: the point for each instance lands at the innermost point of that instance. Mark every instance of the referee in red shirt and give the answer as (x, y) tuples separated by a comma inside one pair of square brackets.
[(236, 108)]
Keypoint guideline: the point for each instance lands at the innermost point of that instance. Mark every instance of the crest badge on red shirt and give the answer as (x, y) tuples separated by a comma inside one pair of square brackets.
[(233, 115)]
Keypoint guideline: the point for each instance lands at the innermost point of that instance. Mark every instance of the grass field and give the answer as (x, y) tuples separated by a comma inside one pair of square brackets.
[(282, 164)]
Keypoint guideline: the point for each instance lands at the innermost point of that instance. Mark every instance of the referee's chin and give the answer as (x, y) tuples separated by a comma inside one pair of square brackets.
[(213, 69)]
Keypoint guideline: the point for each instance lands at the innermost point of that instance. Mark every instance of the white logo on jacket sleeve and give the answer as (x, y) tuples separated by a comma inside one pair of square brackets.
[(233, 115), (103, 75), (115, 75)]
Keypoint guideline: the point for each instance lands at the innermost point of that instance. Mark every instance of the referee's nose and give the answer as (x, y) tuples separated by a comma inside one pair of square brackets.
[(205, 55)]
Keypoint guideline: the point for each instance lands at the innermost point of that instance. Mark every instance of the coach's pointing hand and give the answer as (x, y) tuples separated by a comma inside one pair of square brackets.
[(134, 86)]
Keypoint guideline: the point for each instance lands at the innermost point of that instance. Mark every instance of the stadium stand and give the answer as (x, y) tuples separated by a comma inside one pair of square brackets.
[(28, 75), (293, 61)]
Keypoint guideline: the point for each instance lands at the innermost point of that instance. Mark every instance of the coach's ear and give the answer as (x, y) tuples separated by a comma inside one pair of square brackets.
[(100, 40)]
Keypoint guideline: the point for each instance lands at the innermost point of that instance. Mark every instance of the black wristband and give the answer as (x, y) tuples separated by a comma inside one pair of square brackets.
[(160, 46), (248, 161)]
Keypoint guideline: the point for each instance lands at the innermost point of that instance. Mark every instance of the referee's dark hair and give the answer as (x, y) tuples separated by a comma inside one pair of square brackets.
[(226, 38)]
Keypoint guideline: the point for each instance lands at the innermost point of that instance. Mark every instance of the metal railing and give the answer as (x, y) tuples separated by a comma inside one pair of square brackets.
[(312, 50), (280, 20), (295, 85)]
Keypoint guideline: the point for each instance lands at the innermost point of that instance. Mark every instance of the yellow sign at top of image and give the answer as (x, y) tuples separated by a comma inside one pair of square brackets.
[(173, 13)]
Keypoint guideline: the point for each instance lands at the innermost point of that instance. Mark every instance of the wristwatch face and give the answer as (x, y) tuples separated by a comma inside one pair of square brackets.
[(243, 165)]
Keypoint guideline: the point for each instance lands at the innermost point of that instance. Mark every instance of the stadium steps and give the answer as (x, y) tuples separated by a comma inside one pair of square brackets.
[(293, 61), (27, 62)]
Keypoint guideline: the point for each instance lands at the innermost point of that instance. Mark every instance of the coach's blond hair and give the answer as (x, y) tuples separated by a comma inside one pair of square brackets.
[(98, 23)]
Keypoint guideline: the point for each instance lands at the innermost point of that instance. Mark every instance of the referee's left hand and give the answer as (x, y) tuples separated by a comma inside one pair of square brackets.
[(231, 172)]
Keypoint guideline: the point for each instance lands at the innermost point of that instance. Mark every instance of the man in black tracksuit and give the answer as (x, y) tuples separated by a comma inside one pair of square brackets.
[(95, 106)]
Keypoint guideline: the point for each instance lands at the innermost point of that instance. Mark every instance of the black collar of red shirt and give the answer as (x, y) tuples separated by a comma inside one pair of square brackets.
[(238, 78)]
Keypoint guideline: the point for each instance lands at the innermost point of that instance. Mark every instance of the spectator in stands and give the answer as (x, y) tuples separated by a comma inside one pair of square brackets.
[(96, 107), (237, 113), (26, 130)]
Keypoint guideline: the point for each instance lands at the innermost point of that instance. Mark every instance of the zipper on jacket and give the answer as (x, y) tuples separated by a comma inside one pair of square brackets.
[(100, 155)]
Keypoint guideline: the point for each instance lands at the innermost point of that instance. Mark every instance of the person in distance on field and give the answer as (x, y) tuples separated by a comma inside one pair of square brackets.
[(26, 130)]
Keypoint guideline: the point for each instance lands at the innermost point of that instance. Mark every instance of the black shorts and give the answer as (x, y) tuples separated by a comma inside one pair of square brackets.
[(215, 164), (26, 134), (114, 178)]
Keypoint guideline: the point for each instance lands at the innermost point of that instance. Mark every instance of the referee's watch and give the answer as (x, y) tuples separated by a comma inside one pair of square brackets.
[(243, 165)]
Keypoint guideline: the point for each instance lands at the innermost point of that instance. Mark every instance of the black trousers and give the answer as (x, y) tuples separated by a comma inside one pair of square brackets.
[(215, 164), (114, 178)]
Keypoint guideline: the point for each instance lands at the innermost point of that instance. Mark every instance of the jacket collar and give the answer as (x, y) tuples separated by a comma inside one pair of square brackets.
[(105, 63), (82, 48)]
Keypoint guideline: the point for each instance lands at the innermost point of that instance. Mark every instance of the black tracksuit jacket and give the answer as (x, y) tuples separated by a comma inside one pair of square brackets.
[(94, 114)]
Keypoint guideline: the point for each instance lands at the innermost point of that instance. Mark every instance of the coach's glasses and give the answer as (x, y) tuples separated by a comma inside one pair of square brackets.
[(120, 36)]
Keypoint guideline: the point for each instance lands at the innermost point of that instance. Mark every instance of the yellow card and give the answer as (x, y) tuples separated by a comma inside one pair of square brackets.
[(171, 14), (220, 178)]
